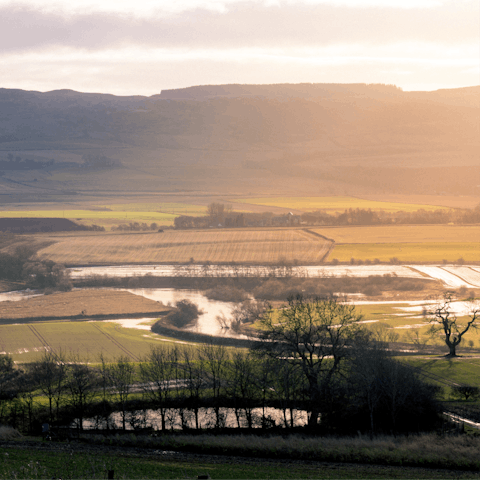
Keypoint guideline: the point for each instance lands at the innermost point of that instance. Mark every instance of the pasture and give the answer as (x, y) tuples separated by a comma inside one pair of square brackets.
[(27, 342), (254, 246), (104, 218), (336, 204)]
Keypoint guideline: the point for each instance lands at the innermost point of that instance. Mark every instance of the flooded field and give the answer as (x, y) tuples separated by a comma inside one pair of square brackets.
[(453, 276)]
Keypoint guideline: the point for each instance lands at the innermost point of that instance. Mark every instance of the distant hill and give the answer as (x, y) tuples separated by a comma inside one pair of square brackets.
[(287, 138)]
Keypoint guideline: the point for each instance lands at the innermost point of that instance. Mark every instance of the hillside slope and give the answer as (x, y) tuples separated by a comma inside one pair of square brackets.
[(308, 138)]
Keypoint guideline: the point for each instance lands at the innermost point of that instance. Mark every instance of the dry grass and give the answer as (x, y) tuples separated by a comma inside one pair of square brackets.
[(403, 234), (428, 450), (84, 303), (216, 246), (407, 252)]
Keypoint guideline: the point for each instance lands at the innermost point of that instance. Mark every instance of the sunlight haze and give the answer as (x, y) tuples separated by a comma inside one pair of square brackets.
[(126, 47)]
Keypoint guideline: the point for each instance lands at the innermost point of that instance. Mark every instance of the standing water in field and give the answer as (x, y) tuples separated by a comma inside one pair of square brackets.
[(207, 322)]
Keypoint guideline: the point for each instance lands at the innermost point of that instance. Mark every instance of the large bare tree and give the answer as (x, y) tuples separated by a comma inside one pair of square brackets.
[(444, 319), (313, 334)]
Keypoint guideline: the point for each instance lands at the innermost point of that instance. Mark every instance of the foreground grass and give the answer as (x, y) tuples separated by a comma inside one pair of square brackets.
[(426, 450), (70, 461), (407, 252)]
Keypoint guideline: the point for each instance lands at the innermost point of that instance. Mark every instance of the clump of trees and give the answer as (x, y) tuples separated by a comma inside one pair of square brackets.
[(22, 266), (135, 227), (185, 315)]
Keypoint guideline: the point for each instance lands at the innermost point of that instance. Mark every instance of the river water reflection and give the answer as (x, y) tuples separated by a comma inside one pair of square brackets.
[(207, 322), (229, 418)]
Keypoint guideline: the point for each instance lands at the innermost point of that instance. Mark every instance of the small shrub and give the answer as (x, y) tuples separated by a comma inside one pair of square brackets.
[(465, 391), (187, 314)]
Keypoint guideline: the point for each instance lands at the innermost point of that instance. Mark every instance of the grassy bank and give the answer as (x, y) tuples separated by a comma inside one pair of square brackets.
[(293, 457), (244, 457), (428, 450)]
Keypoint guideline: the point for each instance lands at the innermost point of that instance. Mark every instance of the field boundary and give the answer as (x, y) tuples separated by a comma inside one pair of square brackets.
[(83, 318), (177, 334)]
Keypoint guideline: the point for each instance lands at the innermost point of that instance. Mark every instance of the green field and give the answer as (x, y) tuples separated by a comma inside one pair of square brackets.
[(104, 218), (88, 339), (381, 458), (459, 370), (336, 204)]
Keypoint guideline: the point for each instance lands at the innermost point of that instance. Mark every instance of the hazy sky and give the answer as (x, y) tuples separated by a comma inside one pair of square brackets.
[(130, 47)]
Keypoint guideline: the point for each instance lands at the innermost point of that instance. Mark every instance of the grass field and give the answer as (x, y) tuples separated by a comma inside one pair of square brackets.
[(408, 243), (459, 370), (216, 246), (403, 234), (27, 342), (103, 218), (59, 461), (407, 252), (336, 204)]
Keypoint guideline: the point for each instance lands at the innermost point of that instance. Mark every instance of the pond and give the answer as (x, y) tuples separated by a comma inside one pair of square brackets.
[(229, 418)]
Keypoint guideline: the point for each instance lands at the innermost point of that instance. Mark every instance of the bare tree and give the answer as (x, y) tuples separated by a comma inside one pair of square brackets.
[(443, 319), (122, 376), (159, 379), (241, 386), (50, 373), (314, 333), (194, 379), (214, 358), (81, 382)]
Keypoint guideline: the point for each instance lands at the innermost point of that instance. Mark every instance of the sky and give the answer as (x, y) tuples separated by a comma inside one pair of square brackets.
[(139, 47)]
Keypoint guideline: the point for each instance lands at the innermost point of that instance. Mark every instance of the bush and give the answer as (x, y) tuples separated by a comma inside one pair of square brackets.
[(465, 391), (186, 315)]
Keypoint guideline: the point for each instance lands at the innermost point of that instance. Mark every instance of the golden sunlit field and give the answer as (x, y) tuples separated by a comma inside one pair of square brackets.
[(402, 233), (102, 218), (85, 303), (337, 204), (428, 252), (172, 246), (408, 243), (162, 213)]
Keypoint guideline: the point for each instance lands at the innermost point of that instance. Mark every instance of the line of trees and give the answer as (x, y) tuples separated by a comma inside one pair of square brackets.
[(218, 214), (312, 356)]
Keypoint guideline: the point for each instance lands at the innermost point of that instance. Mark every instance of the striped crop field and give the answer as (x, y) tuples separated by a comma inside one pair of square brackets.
[(256, 246), (408, 243), (337, 204)]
